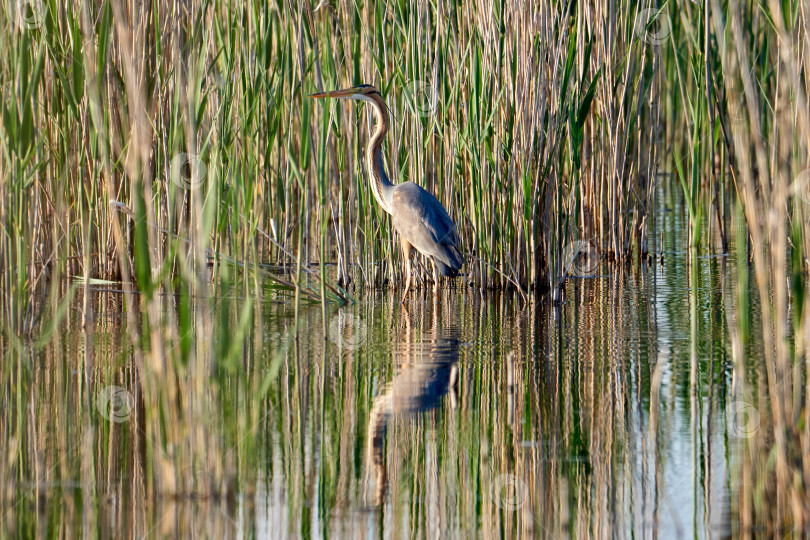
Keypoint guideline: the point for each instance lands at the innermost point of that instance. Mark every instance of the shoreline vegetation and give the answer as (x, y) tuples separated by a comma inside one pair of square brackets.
[(169, 150)]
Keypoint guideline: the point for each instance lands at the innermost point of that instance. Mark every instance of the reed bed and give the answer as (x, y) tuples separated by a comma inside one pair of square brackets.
[(536, 127)]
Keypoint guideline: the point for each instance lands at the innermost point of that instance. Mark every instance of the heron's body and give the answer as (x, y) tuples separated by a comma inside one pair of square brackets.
[(419, 218), (423, 222)]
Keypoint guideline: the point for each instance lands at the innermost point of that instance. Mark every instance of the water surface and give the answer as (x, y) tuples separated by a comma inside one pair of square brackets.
[(613, 414)]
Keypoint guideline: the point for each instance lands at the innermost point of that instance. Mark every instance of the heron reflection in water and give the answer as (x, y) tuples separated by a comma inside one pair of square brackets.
[(420, 219), (428, 372)]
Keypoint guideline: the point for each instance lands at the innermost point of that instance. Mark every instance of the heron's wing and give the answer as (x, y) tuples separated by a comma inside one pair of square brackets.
[(423, 221)]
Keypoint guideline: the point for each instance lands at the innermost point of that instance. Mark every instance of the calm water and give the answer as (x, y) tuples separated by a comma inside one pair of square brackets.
[(612, 415)]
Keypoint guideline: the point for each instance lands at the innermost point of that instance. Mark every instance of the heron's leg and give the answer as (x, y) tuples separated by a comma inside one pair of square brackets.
[(406, 252), (435, 278), (407, 280)]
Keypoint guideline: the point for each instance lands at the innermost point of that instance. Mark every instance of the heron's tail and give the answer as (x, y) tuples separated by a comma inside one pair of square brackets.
[(451, 263)]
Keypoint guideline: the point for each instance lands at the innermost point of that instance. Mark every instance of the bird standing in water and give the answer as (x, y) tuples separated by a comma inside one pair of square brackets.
[(420, 219)]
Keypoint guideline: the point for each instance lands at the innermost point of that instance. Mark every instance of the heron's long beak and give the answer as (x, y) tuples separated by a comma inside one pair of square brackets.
[(339, 94)]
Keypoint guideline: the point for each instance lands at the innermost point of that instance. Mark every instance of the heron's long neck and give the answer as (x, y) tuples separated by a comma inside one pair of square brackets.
[(381, 187)]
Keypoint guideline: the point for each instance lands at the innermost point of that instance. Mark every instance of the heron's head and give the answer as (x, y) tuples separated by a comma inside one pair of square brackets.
[(362, 92)]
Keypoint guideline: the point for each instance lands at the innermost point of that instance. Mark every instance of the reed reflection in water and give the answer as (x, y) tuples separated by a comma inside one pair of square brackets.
[(614, 414)]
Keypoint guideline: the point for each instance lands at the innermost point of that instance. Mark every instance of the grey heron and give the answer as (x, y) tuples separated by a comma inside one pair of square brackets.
[(420, 219)]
